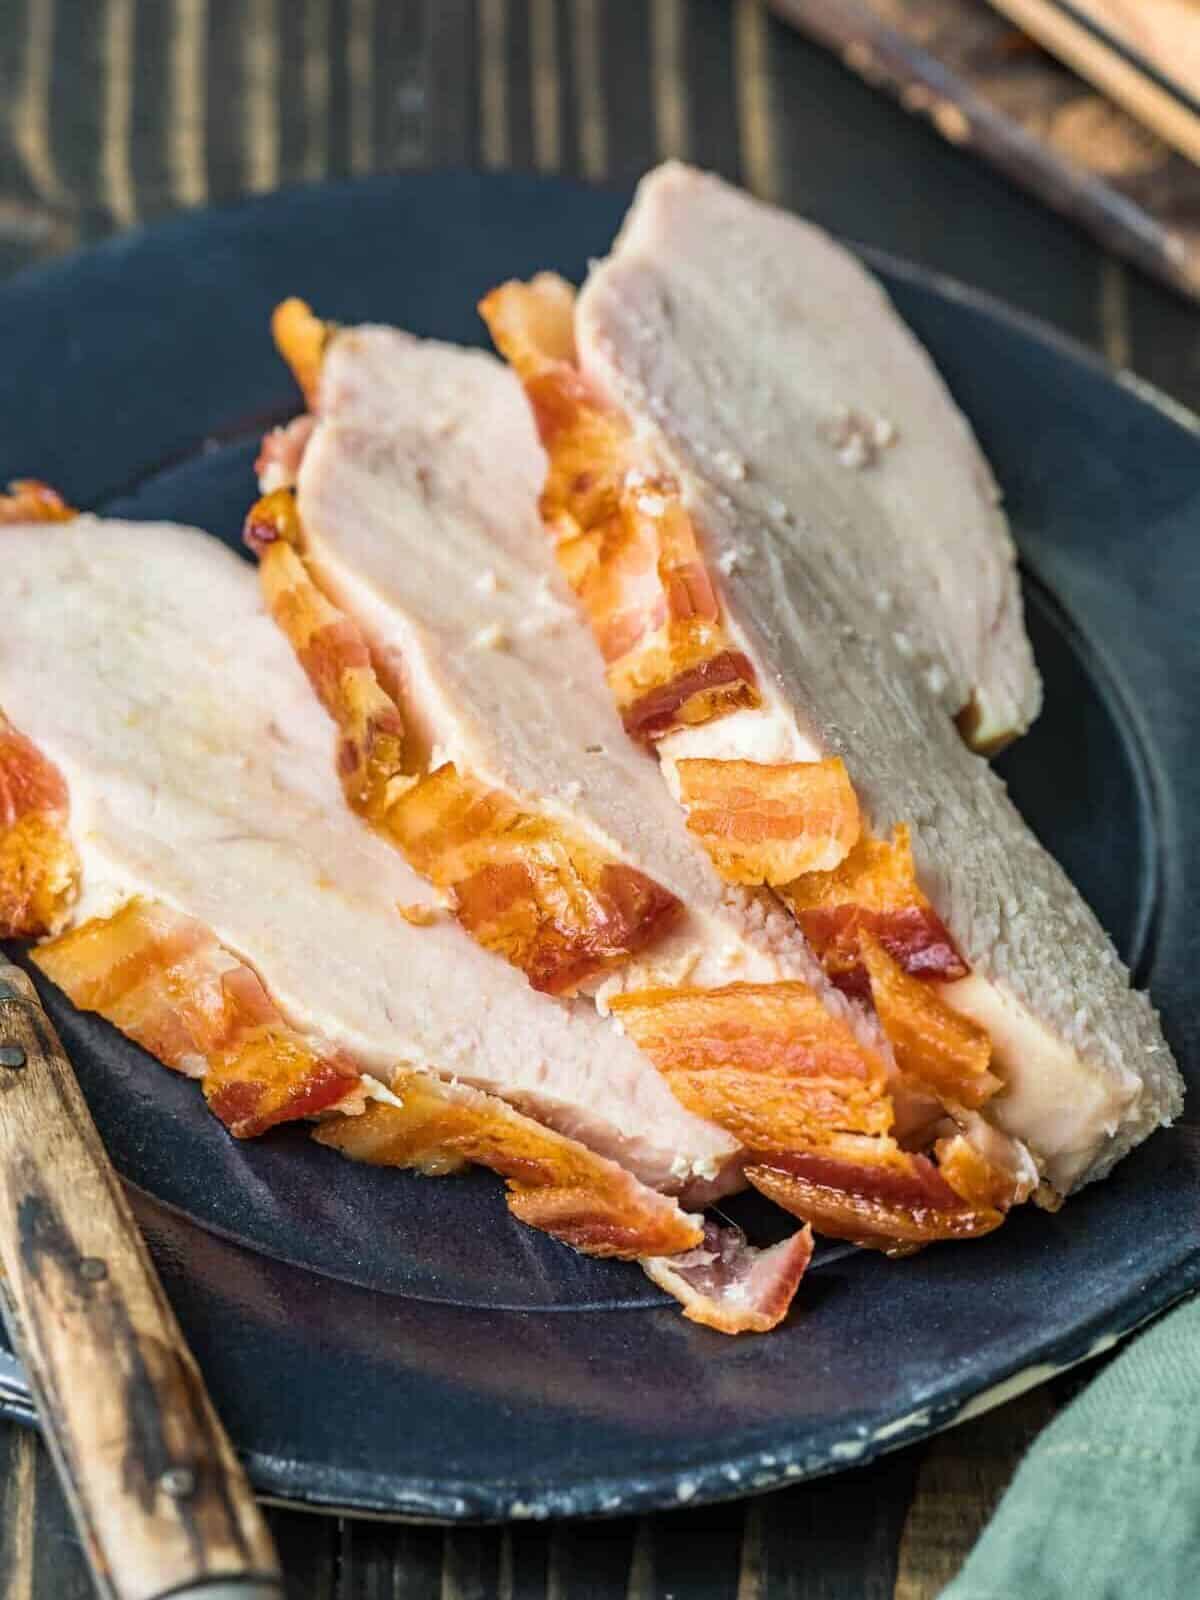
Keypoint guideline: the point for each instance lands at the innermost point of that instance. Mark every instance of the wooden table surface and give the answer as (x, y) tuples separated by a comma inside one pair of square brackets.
[(113, 112)]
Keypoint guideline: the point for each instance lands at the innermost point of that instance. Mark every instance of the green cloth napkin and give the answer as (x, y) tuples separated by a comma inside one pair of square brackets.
[(1106, 1505)]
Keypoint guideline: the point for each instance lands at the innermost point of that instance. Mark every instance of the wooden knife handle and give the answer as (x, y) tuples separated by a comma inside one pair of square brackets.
[(160, 1500)]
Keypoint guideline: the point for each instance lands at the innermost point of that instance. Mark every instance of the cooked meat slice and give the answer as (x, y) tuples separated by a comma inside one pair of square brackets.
[(413, 543), (391, 523), (200, 775), (837, 430), (709, 357), (728, 1285)]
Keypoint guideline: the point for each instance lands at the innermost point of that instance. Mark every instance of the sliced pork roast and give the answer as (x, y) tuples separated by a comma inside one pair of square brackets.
[(787, 544), (402, 552), (173, 823)]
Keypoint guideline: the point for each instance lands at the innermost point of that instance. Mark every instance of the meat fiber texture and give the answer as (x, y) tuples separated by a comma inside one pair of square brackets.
[(418, 496), (140, 660), (829, 473)]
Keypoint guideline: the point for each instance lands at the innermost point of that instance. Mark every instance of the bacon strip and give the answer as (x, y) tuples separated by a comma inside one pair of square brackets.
[(166, 981), (797, 1088), (938, 1047), (525, 885), (876, 888), (39, 870), (728, 1285), (277, 465), (895, 1206), (302, 339), (30, 500), (624, 538), (554, 1183), (768, 1062), (769, 824), (330, 649)]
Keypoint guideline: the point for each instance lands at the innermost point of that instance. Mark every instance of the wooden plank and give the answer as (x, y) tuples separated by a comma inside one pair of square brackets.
[(153, 110), (545, 85), (671, 108), (380, 1562), (628, 89), (708, 67), (30, 104), (360, 83), (259, 67), (519, 60), (1165, 33), (980, 85), (961, 1478), (187, 78), (592, 1561), (755, 100), (587, 38), (18, 1511), (401, 103), (700, 1552), (495, 143), (60, 1570), (73, 104), (338, 163), (858, 164), (308, 1551), (1119, 75), (151, 1477), (450, 84), (224, 149), (835, 1539)]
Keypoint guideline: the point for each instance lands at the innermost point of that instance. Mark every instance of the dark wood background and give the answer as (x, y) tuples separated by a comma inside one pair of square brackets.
[(114, 112)]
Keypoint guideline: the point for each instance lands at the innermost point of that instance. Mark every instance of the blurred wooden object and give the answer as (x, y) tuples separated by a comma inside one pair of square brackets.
[(158, 1495), (1146, 59), (986, 85)]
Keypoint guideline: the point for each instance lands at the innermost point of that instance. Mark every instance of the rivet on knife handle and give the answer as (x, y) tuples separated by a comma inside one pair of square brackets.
[(161, 1502)]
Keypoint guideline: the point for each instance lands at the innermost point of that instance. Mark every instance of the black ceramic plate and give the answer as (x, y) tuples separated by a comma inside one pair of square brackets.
[(381, 1341)]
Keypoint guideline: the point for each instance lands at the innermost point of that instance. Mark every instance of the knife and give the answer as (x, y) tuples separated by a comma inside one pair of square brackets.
[(160, 1500)]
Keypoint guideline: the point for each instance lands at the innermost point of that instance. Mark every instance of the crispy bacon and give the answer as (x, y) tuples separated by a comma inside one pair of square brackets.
[(625, 541), (895, 1205), (875, 887), (525, 885), (767, 1061), (769, 824), (728, 1285), (966, 1168), (938, 1047), (29, 500), (554, 1183), (330, 649), (39, 870), (302, 339), (166, 981), (699, 694), (278, 463)]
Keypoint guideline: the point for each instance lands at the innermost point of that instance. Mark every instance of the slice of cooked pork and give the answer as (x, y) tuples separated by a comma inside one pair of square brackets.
[(416, 473), (410, 571), (207, 890), (734, 397)]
